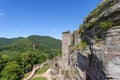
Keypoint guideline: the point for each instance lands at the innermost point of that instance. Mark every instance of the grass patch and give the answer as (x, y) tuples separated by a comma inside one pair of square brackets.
[(106, 24), (53, 79), (26, 75), (39, 78), (81, 28), (82, 45), (43, 69)]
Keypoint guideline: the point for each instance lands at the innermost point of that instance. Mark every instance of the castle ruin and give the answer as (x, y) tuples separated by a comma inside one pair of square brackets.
[(66, 41)]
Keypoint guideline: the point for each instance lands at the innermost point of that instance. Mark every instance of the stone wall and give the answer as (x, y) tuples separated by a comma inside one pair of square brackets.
[(76, 37), (66, 41)]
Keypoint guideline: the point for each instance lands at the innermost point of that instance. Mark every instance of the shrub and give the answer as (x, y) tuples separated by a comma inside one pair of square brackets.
[(106, 24), (91, 23), (82, 45), (88, 25), (95, 12), (81, 28)]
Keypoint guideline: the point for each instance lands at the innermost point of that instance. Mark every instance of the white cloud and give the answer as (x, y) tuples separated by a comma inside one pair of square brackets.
[(2, 14)]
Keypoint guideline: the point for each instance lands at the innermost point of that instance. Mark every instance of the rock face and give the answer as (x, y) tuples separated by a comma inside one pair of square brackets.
[(100, 58)]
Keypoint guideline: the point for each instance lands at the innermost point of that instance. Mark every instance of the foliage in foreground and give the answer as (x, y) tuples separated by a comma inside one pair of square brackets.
[(39, 78), (19, 56), (12, 71)]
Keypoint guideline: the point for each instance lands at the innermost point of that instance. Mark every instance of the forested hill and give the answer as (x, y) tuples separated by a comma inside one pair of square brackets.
[(6, 41), (34, 41), (19, 55)]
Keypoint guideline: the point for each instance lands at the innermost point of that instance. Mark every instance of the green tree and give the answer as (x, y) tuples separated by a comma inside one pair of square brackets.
[(11, 71), (26, 60), (4, 59)]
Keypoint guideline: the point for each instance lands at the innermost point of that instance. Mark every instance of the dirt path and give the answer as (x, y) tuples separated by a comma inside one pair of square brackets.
[(35, 69), (47, 74)]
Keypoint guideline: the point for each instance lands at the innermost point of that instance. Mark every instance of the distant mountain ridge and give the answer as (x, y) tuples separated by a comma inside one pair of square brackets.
[(40, 42), (6, 41)]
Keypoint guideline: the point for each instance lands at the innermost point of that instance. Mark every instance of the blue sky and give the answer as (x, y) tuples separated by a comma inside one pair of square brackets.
[(42, 17)]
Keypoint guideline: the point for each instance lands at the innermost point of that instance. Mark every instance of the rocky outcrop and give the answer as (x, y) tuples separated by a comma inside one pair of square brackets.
[(100, 59)]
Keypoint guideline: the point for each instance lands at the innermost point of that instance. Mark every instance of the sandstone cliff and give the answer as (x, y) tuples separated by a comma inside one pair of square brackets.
[(94, 52)]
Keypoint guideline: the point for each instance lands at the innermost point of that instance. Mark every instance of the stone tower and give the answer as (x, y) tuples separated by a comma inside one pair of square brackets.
[(66, 41), (103, 0)]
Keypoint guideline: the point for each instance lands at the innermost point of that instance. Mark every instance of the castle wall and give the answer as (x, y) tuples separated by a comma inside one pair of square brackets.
[(77, 38)]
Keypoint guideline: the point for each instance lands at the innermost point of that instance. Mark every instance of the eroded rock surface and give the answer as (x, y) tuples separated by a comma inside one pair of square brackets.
[(100, 60)]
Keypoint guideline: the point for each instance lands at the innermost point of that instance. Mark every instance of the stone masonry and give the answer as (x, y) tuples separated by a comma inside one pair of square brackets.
[(66, 41)]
